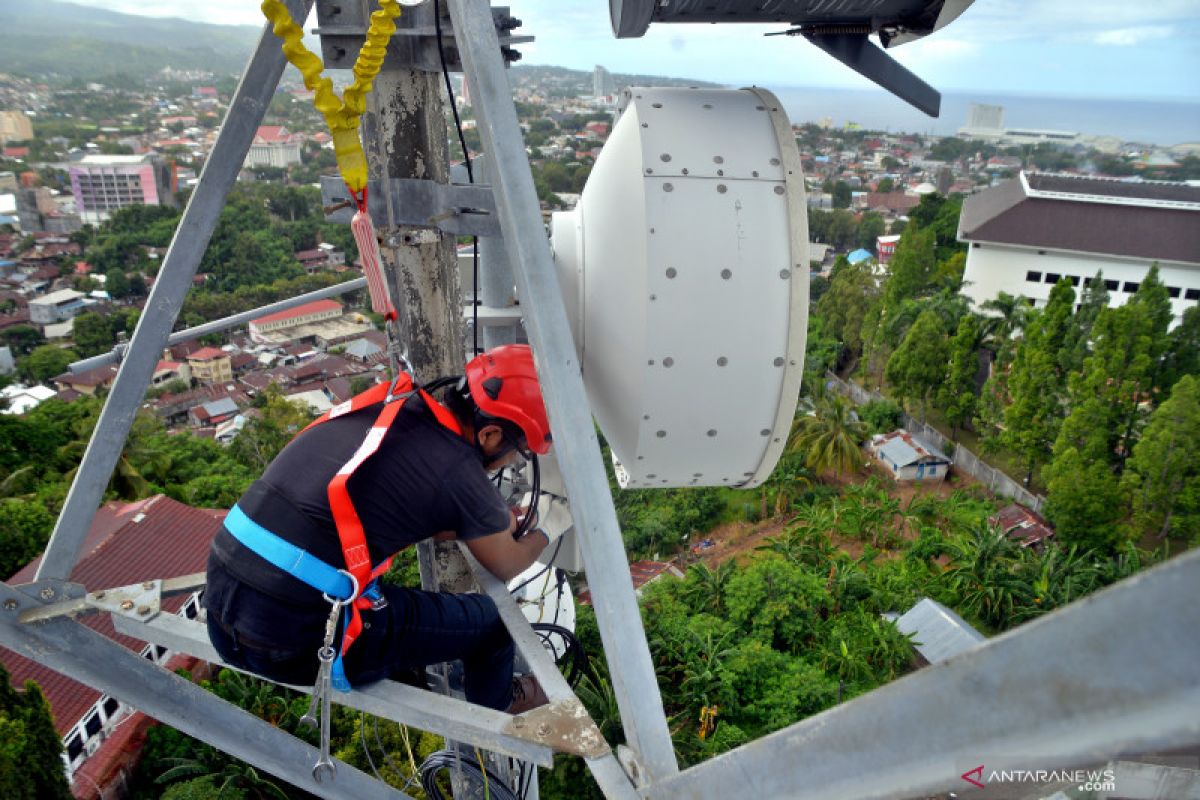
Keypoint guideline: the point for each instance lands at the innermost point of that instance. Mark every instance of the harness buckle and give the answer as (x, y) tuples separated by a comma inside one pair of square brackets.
[(337, 603)]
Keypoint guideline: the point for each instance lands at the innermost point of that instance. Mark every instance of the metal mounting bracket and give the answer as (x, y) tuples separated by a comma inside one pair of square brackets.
[(563, 725), (461, 209), (138, 601), (342, 27)]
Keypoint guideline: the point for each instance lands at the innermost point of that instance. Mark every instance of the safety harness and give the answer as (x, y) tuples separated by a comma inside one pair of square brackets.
[(354, 587)]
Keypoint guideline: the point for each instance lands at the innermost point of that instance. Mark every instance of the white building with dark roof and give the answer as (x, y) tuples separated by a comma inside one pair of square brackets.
[(1027, 234)]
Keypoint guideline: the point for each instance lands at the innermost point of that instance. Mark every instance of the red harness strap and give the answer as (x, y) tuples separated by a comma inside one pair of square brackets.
[(349, 526)]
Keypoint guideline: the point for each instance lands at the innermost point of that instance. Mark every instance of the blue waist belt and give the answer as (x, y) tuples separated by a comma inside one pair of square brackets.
[(293, 560), (302, 565)]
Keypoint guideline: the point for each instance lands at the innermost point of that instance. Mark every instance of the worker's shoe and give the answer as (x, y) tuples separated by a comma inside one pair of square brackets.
[(526, 694)]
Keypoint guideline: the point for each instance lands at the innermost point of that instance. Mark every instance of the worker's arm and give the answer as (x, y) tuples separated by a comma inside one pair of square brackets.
[(505, 557)]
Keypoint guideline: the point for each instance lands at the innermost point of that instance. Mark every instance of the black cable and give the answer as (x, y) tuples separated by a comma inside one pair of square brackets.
[(462, 141), (448, 759), (540, 572)]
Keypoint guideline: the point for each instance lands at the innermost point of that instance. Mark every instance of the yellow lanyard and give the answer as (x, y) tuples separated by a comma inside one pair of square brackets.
[(341, 115)]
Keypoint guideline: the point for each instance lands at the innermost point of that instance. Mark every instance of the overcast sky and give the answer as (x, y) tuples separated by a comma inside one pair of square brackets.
[(1118, 48)]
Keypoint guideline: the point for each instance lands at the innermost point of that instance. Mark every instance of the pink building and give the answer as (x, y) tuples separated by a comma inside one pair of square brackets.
[(103, 184)]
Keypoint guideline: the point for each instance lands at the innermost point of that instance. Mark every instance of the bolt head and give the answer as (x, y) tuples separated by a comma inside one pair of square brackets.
[(126, 604), (47, 593), (10, 604), (543, 729), (143, 610)]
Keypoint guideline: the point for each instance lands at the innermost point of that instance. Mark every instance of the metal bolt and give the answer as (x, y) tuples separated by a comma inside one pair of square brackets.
[(671, 273), (10, 604), (722, 361), (126, 605), (46, 594), (726, 274), (668, 187), (718, 160), (665, 157), (543, 729), (100, 595), (518, 722), (148, 585), (668, 362), (143, 610), (712, 432), (721, 188), (779, 190)]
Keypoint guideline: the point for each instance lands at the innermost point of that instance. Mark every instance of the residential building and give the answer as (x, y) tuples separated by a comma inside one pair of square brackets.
[(306, 314), (15, 126), (938, 634), (210, 365), (907, 458), (56, 307), (88, 382), (1027, 234), (214, 412), (274, 146), (886, 247), (1023, 525), (127, 544), (102, 184)]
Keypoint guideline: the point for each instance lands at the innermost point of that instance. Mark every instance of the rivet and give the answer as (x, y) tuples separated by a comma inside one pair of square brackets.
[(126, 605), (10, 604), (668, 362), (684, 171), (661, 435), (708, 105), (748, 474), (785, 274), (774, 162), (641, 458), (760, 108), (518, 722), (645, 125), (650, 363), (649, 171), (645, 416), (775, 440), (765, 432), (721, 189), (712, 432), (651, 475), (720, 173), (46, 594), (664, 480), (653, 297), (726, 274), (665, 157), (779, 362), (722, 361), (657, 105), (754, 174), (671, 273), (667, 187), (779, 190), (697, 474), (143, 610), (718, 160)]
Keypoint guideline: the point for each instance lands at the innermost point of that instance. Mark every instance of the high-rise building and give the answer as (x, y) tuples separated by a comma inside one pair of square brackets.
[(103, 184), (603, 84), (983, 122)]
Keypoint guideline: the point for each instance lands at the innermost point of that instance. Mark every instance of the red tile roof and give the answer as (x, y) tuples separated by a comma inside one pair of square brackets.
[(206, 354), (299, 311), (151, 539)]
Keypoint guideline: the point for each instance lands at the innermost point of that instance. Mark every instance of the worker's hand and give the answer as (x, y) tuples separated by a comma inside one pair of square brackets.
[(553, 516)]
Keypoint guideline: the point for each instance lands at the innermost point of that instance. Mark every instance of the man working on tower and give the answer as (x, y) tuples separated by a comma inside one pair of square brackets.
[(369, 478)]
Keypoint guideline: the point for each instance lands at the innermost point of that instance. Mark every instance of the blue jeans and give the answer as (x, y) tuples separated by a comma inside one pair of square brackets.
[(257, 632)]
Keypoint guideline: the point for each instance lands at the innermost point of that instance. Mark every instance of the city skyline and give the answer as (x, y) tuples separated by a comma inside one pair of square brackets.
[(1096, 48)]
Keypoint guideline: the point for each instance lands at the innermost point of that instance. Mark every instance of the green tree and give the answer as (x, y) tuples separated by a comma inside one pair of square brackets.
[(1183, 352), (956, 396), (93, 334), (45, 362), (912, 267), (1035, 382), (30, 749), (116, 283), (1092, 301), (886, 185), (268, 433), (25, 528), (918, 366), (1084, 501), (841, 195), (1163, 476), (829, 438), (870, 228), (852, 291)]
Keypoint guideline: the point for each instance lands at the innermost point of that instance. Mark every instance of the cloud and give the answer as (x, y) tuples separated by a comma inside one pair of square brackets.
[(1126, 37)]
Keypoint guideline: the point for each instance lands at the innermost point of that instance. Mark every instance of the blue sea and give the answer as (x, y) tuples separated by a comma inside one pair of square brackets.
[(1163, 122)]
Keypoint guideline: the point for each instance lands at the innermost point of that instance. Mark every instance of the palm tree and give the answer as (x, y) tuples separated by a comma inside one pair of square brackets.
[(984, 575), (829, 437), (998, 331), (706, 587)]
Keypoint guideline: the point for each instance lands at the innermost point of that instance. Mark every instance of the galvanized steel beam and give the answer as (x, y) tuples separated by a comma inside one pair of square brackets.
[(576, 445)]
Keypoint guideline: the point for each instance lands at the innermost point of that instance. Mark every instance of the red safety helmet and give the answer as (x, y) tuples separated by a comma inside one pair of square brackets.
[(504, 384)]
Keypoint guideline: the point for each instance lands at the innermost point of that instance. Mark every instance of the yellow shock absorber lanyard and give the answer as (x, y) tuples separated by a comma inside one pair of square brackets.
[(341, 115)]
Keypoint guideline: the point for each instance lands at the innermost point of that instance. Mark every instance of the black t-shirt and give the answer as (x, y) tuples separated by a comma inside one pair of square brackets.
[(422, 479)]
